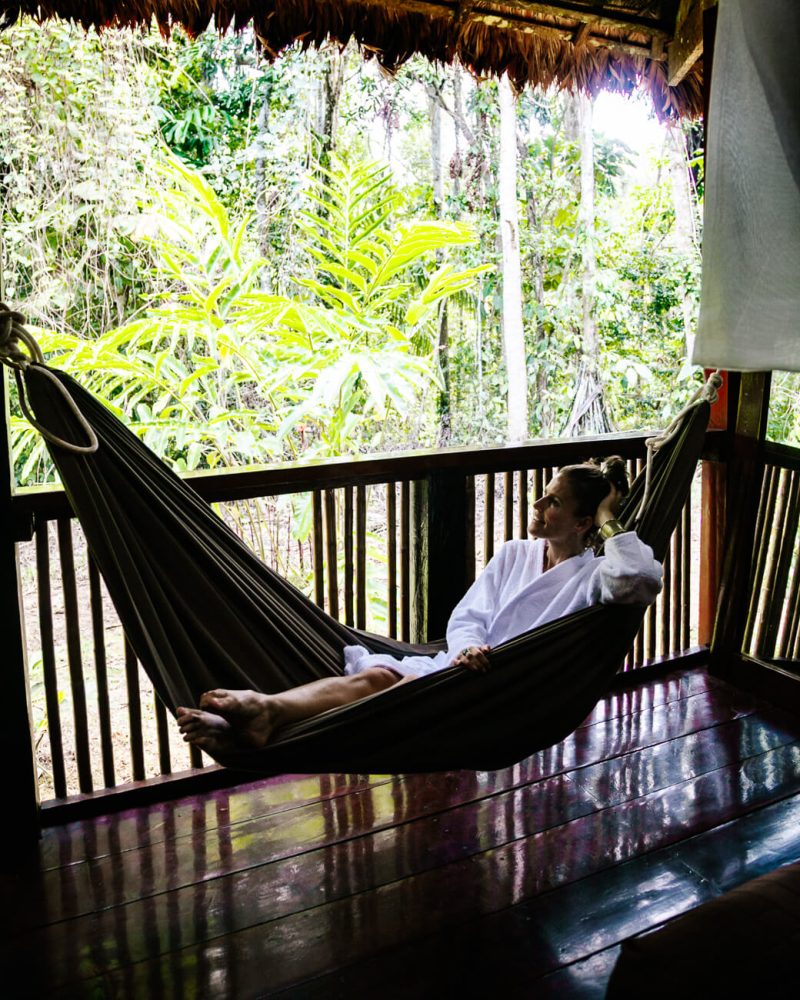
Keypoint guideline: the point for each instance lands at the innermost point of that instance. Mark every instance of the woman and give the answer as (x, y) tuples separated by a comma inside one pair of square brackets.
[(527, 583)]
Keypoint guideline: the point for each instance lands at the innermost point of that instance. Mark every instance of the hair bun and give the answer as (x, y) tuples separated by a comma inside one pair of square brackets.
[(615, 471)]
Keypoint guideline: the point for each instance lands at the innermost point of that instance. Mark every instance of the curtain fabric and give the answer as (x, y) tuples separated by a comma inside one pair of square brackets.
[(201, 611), (750, 305)]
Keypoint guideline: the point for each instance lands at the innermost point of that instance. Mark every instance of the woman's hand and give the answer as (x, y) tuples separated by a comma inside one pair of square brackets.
[(609, 507), (473, 658)]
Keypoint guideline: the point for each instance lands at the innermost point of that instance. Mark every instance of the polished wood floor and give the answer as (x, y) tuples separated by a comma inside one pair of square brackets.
[(520, 882)]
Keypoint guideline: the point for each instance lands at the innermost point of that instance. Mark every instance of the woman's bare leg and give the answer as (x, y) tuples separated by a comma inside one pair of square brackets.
[(229, 720)]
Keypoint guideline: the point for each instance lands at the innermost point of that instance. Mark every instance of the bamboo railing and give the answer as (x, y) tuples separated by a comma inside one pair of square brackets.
[(772, 630), (379, 528)]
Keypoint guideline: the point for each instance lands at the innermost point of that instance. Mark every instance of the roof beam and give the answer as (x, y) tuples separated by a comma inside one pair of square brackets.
[(587, 13), (687, 45)]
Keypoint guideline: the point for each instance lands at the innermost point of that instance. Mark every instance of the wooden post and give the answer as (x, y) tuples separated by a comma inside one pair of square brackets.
[(713, 510), (745, 465), (439, 552), (20, 790)]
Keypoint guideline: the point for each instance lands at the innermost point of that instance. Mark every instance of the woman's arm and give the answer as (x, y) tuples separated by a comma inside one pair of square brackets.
[(627, 573)]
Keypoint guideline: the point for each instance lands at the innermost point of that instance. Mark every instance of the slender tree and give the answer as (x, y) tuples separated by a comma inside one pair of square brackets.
[(589, 414), (513, 333)]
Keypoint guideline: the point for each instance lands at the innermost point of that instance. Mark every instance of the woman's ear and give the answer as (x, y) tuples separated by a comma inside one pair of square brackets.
[(584, 524)]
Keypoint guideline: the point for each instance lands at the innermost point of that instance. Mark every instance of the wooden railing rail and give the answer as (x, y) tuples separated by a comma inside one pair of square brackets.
[(394, 543)]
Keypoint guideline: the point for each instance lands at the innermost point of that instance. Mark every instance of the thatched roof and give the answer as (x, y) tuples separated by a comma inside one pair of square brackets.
[(614, 44)]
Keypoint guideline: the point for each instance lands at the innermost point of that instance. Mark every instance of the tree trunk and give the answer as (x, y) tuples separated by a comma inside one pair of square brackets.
[(684, 234), (443, 435), (330, 94), (513, 334), (589, 414), (262, 195)]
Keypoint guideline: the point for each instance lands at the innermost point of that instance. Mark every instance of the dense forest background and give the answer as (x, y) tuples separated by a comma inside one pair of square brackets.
[(255, 262)]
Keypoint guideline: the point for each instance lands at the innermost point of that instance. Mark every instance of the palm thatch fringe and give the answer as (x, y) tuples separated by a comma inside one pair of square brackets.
[(622, 49)]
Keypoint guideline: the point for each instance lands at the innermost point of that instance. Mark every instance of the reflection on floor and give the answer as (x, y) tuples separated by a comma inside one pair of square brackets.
[(521, 881)]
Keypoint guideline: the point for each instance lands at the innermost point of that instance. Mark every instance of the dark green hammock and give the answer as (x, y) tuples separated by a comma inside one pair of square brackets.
[(201, 611)]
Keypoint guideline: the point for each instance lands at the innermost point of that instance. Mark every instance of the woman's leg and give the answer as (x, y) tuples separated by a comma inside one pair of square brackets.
[(229, 720)]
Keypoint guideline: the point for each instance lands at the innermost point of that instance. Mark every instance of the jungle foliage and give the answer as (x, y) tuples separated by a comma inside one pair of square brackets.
[(251, 262)]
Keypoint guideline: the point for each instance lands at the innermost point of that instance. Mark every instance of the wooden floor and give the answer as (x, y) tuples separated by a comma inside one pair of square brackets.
[(519, 882)]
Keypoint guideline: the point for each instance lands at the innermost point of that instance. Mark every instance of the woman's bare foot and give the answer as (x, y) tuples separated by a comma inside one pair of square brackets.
[(205, 730), (252, 717)]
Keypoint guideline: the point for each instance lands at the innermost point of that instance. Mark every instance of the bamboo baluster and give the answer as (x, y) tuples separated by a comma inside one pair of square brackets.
[(162, 731), (74, 657), (773, 529), (391, 557), (677, 586), (538, 483), (331, 556), (666, 594), (766, 512), (195, 757), (405, 560), (784, 534), (634, 468), (134, 712), (361, 557), (49, 659), (790, 633), (488, 517), (523, 503), (349, 573), (686, 596), (317, 548), (101, 670), (469, 555), (508, 505)]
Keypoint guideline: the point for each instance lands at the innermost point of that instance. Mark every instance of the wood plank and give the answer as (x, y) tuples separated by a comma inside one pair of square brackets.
[(74, 657), (405, 561), (135, 740), (192, 859), (101, 675), (349, 565), (361, 557), (331, 553), (508, 506), (391, 558), (518, 813), (687, 45), (228, 485), (486, 898), (20, 788), (49, 659), (488, 517), (269, 798), (317, 548)]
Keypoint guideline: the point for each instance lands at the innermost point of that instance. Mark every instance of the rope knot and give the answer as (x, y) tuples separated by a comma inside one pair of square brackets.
[(12, 336)]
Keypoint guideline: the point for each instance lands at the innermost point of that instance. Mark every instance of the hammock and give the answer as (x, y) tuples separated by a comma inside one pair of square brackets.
[(201, 611)]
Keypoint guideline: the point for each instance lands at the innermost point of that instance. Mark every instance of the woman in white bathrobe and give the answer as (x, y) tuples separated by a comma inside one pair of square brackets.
[(527, 583)]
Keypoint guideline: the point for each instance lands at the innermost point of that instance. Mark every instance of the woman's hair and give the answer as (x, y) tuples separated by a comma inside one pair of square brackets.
[(591, 482)]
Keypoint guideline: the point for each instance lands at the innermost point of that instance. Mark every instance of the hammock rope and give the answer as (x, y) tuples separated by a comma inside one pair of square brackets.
[(707, 393), (13, 334), (202, 611)]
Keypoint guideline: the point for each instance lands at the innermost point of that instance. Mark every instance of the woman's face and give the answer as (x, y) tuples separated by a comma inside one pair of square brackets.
[(554, 516)]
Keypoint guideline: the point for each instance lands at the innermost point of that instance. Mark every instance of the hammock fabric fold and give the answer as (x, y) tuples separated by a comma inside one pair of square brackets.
[(201, 611)]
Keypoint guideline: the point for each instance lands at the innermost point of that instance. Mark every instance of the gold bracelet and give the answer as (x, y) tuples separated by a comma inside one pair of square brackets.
[(610, 528)]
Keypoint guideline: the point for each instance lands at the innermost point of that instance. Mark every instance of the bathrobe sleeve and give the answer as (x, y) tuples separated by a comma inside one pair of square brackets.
[(472, 617), (627, 573)]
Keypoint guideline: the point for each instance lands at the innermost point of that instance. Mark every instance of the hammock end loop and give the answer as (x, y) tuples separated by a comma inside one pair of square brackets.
[(13, 334)]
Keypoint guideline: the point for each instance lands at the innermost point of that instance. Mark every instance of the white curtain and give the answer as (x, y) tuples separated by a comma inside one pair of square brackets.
[(750, 306)]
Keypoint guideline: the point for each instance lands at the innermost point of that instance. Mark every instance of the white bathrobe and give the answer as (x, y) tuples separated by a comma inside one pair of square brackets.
[(514, 594)]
